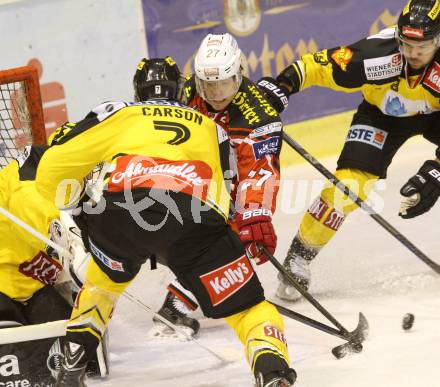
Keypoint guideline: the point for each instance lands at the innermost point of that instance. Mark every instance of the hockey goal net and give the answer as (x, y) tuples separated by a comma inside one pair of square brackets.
[(21, 112)]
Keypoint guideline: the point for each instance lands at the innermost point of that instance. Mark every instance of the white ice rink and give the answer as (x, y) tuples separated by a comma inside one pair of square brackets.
[(363, 269)]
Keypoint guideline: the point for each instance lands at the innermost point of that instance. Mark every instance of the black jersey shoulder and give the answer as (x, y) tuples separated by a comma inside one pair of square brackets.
[(375, 59), (98, 114), (250, 108), (101, 113), (28, 161)]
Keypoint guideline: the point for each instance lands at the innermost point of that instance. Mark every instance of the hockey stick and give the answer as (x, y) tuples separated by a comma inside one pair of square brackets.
[(34, 232), (319, 325), (354, 338), (226, 357), (362, 204)]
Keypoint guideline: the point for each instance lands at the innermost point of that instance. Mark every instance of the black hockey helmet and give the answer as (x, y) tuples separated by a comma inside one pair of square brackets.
[(419, 20), (158, 78)]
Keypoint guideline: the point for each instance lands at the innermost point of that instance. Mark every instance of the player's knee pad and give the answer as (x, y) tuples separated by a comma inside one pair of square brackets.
[(329, 210), (94, 303), (261, 330), (359, 182)]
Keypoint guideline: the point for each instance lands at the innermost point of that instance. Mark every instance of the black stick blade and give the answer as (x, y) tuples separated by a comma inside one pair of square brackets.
[(361, 331)]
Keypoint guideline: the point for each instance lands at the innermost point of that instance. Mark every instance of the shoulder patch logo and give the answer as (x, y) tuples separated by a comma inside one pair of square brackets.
[(343, 57), (320, 57)]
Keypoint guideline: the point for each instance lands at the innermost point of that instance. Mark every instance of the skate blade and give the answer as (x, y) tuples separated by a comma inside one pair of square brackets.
[(287, 293), (160, 331)]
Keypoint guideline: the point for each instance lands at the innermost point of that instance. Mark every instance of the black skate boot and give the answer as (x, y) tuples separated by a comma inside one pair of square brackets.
[(73, 367), (297, 263), (273, 371), (283, 378), (98, 365), (176, 312)]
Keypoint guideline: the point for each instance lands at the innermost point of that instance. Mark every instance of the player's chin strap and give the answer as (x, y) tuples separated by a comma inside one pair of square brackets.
[(225, 355), (362, 204)]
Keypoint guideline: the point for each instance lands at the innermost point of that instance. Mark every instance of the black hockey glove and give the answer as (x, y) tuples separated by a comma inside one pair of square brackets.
[(421, 190), (277, 94)]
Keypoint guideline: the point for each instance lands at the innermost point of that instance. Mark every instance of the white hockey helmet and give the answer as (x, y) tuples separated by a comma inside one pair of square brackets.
[(218, 67)]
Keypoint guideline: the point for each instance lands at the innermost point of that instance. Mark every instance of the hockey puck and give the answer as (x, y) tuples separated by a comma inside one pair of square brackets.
[(345, 349), (408, 321)]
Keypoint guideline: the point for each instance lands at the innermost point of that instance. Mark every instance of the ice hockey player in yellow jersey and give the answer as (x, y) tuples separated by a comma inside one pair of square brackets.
[(165, 196), (25, 267), (31, 275), (398, 73)]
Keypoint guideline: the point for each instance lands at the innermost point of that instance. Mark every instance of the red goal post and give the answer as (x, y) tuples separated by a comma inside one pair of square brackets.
[(21, 112)]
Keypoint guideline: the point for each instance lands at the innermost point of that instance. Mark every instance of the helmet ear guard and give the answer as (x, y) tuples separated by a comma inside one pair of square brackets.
[(158, 78)]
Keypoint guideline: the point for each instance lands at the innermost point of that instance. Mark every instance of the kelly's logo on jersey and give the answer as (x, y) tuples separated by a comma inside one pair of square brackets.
[(368, 135), (266, 147), (432, 77), (223, 282), (384, 67)]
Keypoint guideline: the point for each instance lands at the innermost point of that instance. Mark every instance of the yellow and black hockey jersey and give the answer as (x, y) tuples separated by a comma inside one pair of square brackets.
[(160, 144), (25, 266), (375, 67)]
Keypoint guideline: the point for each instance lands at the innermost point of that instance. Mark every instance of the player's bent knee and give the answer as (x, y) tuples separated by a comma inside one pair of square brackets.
[(261, 330)]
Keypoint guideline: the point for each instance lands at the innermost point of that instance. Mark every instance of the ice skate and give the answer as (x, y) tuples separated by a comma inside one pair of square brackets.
[(283, 378), (273, 371), (176, 312), (297, 263), (73, 367), (299, 268)]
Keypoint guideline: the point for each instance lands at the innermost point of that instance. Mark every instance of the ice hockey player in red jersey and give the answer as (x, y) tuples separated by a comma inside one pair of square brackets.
[(398, 73), (253, 129)]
